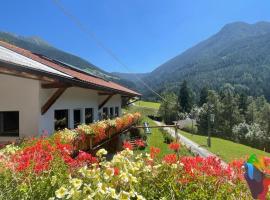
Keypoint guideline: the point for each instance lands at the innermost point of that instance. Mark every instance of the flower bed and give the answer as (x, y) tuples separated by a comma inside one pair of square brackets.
[(43, 169), (86, 136)]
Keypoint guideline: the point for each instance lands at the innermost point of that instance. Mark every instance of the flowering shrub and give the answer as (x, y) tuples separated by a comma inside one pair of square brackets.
[(127, 145), (140, 143), (84, 134), (36, 168), (43, 169), (131, 176)]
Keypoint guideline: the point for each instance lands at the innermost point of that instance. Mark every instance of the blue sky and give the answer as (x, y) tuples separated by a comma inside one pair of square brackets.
[(142, 33)]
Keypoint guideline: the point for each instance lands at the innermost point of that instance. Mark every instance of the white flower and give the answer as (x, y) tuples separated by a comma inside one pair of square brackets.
[(101, 153), (77, 183), (124, 195), (174, 166), (61, 192), (112, 192), (140, 197), (53, 181)]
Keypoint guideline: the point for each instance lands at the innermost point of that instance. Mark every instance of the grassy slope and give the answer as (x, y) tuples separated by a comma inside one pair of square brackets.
[(155, 139), (148, 104), (226, 149)]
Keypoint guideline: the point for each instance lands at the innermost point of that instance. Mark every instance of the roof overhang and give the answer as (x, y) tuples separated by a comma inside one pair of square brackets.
[(16, 69)]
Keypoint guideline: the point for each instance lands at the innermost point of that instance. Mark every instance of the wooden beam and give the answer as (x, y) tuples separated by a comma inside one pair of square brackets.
[(55, 85), (52, 100), (105, 101)]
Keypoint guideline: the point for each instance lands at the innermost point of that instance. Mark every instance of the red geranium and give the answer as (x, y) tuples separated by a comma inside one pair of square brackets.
[(127, 145), (140, 143), (174, 146), (116, 171), (154, 151), (170, 158)]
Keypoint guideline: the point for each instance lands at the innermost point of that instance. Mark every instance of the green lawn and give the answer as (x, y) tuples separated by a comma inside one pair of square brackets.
[(143, 110), (155, 139), (225, 149), (148, 104)]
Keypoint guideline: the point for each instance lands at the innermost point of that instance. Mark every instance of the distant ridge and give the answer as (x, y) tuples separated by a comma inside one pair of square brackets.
[(238, 54)]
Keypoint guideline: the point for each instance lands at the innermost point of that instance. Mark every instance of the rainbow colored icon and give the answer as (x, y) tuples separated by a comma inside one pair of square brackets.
[(257, 180)]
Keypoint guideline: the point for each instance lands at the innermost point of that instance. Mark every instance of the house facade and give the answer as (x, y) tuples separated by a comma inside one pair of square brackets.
[(40, 95)]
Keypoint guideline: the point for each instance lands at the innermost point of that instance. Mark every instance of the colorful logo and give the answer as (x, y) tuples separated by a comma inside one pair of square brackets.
[(257, 180)]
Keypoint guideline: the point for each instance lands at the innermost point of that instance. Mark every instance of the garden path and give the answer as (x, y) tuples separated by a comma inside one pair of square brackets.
[(194, 147)]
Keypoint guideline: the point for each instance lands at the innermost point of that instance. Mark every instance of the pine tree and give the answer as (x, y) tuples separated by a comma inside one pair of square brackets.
[(203, 96), (185, 98), (169, 108)]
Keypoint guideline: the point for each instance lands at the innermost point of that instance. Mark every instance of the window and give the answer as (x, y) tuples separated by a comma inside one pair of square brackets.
[(111, 112), (105, 113), (89, 118), (9, 123), (77, 118), (60, 119), (116, 111)]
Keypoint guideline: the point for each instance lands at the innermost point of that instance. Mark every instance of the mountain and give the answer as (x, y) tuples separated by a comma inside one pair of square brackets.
[(238, 54), (37, 45), (130, 80)]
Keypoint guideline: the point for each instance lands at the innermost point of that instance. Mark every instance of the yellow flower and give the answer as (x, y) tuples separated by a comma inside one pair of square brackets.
[(112, 193), (61, 192), (77, 183), (53, 181), (101, 153), (124, 195)]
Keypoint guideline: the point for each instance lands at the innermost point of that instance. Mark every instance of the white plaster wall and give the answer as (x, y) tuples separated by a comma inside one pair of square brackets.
[(27, 97), (21, 94), (115, 101), (72, 98)]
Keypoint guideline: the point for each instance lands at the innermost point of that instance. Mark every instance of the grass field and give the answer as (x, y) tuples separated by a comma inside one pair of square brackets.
[(148, 104), (225, 149), (145, 111)]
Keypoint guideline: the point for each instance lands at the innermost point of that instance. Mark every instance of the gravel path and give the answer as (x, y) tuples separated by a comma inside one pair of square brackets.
[(194, 147)]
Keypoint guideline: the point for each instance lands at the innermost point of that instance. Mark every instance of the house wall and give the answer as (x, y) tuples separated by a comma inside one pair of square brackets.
[(27, 97), (72, 98), (115, 101), (21, 94)]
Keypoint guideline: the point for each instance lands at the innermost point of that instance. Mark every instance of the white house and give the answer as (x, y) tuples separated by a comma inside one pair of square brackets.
[(39, 94)]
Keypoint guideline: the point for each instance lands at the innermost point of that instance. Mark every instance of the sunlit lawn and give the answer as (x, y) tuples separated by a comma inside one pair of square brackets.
[(148, 104), (225, 149)]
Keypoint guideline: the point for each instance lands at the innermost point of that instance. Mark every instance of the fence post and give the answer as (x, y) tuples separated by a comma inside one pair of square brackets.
[(175, 131)]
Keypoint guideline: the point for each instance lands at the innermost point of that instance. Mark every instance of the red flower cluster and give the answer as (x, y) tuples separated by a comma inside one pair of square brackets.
[(236, 166), (170, 158), (211, 166), (127, 145), (154, 151), (140, 143), (40, 155), (174, 146), (116, 171), (85, 158)]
